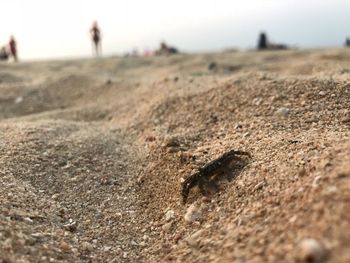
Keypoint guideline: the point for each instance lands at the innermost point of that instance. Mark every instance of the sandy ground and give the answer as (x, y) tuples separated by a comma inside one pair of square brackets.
[(93, 154)]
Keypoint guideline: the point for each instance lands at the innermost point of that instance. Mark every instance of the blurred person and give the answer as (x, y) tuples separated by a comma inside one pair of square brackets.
[(96, 38), (262, 42), (265, 44), (347, 42), (13, 48), (4, 56), (164, 49)]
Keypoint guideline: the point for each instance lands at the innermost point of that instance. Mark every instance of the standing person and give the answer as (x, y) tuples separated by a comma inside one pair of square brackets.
[(3, 54), (13, 48), (96, 37), (262, 42)]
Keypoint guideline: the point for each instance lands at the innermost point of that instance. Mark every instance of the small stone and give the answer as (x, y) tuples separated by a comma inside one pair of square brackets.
[(170, 214), (71, 226), (64, 247), (247, 134), (18, 99), (316, 181), (283, 111), (55, 196), (193, 240), (87, 246), (311, 250), (166, 227), (106, 248), (293, 219), (257, 101), (143, 244), (322, 93), (177, 237), (193, 214), (28, 220)]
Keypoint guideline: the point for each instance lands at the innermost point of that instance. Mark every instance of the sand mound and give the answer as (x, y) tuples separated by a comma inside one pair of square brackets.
[(79, 181), (94, 154)]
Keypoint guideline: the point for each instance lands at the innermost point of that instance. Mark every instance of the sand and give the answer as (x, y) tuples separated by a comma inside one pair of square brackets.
[(93, 154)]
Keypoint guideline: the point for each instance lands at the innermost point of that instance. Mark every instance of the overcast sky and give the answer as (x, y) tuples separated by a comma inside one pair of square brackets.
[(59, 28)]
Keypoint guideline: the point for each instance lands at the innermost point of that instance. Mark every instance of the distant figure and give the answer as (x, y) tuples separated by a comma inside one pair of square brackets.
[(262, 42), (347, 42), (4, 56), (166, 50), (96, 37), (13, 48)]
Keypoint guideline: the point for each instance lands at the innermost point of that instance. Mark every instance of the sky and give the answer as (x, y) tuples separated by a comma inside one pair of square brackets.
[(60, 28)]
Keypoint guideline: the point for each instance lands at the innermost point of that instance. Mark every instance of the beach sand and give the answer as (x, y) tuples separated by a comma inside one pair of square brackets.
[(93, 154)]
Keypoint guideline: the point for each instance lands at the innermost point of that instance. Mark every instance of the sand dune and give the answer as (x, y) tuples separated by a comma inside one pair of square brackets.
[(94, 152)]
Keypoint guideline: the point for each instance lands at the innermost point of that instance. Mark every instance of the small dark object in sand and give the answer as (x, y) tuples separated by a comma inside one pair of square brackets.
[(212, 66), (207, 176)]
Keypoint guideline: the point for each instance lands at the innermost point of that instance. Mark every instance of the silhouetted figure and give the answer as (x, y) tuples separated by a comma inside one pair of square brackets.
[(13, 48), (262, 42), (4, 56), (166, 50), (96, 38), (347, 42)]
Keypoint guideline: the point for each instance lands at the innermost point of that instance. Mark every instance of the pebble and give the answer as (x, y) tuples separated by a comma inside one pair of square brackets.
[(170, 214), (87, 246), (71, 226), (316, 181), (311, 250), (166, 227), (28, 220), (143, 244), (322, 93), (18, 99), (193, 214), (106, 248), (257, 101), (283, 111), (194, 239), (65, 247), (55, 196)]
